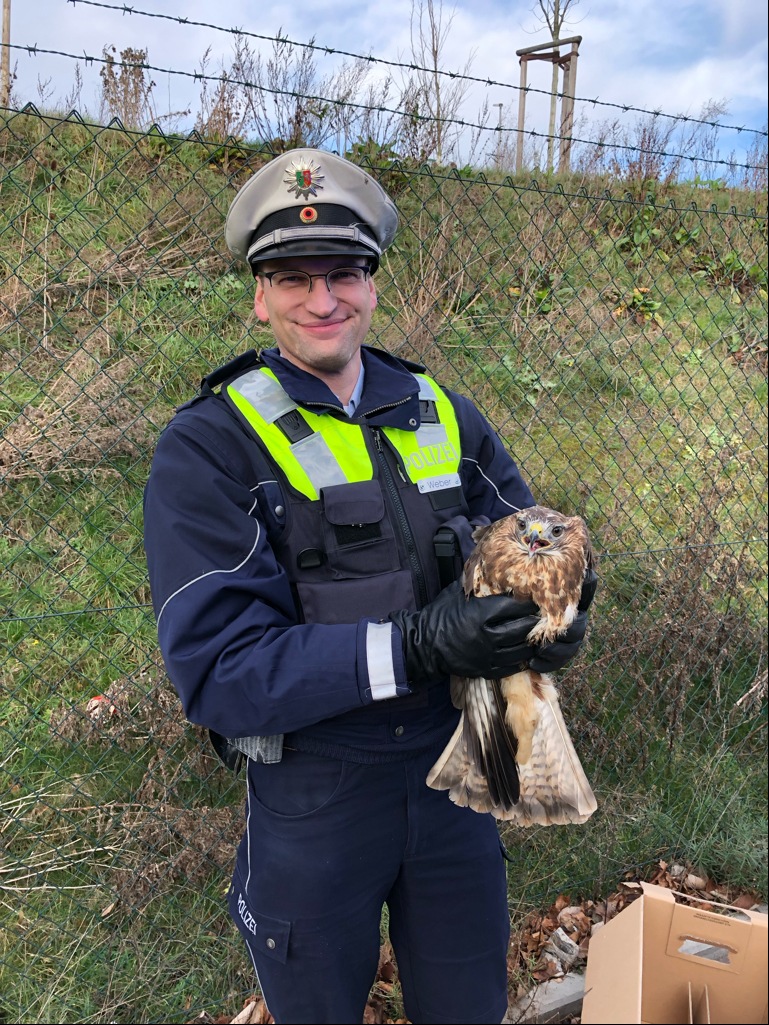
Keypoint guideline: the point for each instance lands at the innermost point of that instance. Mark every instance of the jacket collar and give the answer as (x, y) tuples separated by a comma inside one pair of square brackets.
[(390, 393)]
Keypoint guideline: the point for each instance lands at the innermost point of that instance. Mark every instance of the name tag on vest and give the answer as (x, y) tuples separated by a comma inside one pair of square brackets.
[(450, 480)]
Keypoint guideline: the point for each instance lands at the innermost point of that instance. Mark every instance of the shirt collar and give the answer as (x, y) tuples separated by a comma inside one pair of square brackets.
[(389, 399), (357, 391)]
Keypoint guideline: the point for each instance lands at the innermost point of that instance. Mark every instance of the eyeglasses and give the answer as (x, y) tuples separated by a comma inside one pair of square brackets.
[(337, 280)]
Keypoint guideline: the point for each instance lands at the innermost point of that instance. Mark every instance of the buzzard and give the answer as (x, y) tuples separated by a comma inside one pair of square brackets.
[(511, 753)]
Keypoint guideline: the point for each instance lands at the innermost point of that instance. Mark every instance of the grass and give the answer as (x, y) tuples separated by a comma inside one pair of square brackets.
[(91, 931), (112, 967), (617, 341), (678, 794)]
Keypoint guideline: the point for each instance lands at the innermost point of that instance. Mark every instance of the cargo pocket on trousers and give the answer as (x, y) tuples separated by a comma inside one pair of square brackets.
[(267, 937)]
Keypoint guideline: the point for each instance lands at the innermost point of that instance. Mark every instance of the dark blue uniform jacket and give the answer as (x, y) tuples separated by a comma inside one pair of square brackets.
[(234, 647)]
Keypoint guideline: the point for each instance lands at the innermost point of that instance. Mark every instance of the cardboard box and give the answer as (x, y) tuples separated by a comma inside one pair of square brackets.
[(667, 961)]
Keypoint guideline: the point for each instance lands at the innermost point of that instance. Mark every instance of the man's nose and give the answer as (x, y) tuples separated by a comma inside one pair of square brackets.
[(320, 297)]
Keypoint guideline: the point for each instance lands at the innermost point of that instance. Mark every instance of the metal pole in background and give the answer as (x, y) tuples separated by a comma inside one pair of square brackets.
[(5, 58), (498, 157)]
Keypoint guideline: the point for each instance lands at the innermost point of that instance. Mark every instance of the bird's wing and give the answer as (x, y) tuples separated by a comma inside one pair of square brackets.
[(554, 788), (478, 765)]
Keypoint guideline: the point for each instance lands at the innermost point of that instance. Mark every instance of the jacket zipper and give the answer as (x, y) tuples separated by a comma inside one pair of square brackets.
[(400, 512), (371, 412)]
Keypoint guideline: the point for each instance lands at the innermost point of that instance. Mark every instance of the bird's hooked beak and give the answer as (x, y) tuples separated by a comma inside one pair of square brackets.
[(535, 538)]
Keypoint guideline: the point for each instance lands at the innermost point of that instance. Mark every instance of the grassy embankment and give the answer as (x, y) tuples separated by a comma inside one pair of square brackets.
[(617, 339)]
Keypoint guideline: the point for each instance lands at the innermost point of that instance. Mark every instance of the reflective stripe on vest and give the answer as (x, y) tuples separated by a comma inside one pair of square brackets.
[(335, 452)]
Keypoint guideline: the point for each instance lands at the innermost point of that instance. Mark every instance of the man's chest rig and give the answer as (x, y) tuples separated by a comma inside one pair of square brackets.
[(361, 518), (365, 508)]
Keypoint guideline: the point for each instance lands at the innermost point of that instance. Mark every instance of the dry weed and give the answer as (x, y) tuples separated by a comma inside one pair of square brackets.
[(164, 835), (86, 417)]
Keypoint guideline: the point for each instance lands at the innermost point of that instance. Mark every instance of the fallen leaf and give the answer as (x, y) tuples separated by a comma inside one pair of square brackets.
[(574, 920), (243, 1017), (387, 971), (373, 1013), (745, 901), (254, 1012), (546, 969)]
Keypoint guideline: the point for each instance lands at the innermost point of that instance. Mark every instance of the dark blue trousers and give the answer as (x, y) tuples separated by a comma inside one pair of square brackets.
[(328, 844)]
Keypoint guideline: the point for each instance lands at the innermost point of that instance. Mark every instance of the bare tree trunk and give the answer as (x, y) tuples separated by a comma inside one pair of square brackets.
[(425, 93), (554, 15)]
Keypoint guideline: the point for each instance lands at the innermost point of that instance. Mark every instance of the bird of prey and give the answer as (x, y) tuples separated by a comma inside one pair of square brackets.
[(511, 753)]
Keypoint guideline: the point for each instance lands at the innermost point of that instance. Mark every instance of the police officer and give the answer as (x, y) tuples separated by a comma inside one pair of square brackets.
[(304, 517)]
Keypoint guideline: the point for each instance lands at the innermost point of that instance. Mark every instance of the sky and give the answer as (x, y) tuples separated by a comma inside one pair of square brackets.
[(674, 56)]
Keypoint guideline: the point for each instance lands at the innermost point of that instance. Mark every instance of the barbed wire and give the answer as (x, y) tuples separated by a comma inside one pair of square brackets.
[(199, 76), (194, 138), (455, 75)]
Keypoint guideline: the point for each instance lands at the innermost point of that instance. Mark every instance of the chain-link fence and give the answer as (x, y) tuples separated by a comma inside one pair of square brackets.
[(615, 335)]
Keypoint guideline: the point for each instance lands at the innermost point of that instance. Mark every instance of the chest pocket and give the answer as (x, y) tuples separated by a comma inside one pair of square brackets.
[(357, 535)]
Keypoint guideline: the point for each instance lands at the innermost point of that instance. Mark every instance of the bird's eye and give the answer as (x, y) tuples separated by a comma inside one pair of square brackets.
[(558, 530), (521, 523)]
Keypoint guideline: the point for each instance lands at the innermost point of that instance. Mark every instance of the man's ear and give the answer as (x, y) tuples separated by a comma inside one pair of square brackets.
[(260, 307), (372, 292)]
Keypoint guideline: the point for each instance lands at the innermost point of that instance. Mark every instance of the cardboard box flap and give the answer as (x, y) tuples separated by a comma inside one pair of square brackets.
[(725, 940), (699, 1009), (620, 1003)]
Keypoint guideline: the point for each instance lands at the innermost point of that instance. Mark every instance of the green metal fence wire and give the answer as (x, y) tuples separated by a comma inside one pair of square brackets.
[(615, 334)]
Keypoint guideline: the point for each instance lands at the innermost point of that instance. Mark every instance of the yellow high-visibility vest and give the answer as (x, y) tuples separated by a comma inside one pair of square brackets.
[(333, 451)]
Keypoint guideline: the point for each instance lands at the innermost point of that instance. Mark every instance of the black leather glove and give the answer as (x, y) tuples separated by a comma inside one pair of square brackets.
[(466, 636), (553, 656)]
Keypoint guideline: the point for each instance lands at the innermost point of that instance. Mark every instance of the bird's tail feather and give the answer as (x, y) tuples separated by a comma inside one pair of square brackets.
[(456, 771), (479, 769), (554, 788)]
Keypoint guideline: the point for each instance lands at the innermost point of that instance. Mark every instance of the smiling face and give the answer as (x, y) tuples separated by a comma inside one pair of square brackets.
[(318, 330)]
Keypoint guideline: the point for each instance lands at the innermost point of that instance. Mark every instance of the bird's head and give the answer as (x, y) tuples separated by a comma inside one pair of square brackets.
[(541, 531)]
